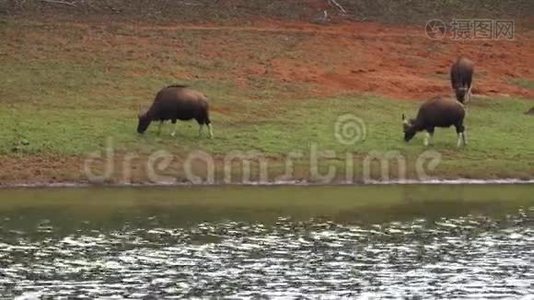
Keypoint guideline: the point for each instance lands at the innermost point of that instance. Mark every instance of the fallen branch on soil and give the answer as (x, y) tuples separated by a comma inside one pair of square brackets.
[(59, 2), (337, 5), (189, 3)]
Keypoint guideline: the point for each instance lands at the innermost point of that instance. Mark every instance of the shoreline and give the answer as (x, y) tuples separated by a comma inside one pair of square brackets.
[(461, 181)]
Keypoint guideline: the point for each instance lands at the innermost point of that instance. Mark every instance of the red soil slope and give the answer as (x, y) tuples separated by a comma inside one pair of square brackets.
[(402, 62), (397, 62)]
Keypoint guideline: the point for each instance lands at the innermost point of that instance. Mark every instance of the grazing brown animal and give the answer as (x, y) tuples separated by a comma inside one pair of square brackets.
[(177, 102), (461, 78), (437, 112), (530, 111)]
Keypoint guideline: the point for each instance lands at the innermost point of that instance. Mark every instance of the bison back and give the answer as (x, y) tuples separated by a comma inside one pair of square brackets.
[(441, 112), (179, 103), (462, 72)]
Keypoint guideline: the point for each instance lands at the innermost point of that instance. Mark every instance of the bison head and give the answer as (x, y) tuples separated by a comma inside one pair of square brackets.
[(144, 121), (408, 128)]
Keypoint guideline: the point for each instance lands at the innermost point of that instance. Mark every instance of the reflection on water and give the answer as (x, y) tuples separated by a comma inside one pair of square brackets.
[(434, 250)]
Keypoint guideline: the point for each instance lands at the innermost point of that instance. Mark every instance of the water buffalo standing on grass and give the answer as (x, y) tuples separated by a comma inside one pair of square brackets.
[(461, 78), (437, 112), (177, 102)]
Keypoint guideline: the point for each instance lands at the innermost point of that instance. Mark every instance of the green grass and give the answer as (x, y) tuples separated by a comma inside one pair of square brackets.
[(524, 83), (500, 143), (496, 128), (59, 102)]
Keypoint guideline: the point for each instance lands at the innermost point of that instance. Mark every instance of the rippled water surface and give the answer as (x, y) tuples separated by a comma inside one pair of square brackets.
[(328, 242)]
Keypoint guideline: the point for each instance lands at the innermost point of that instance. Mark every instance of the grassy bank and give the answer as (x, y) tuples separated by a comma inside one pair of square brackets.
[(499, 137), (65, 90)]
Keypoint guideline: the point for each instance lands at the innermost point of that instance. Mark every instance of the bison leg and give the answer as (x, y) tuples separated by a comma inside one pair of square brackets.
[(429, 136), (210, 130), (204, 120), (461, 140), (426, 140), (469, 86), (208, 122), (461, 136), (159, 127), (469, 94), (173, 133)]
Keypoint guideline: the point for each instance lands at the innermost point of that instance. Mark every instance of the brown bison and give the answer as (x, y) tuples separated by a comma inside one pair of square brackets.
[(436, 112), (461, 78), (177, 102)]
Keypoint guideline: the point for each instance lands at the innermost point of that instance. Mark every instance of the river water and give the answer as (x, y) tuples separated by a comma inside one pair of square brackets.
[(268, 242)]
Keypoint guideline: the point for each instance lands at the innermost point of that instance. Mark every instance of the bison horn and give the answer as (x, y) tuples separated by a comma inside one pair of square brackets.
[(405, 121), (142, 110)]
